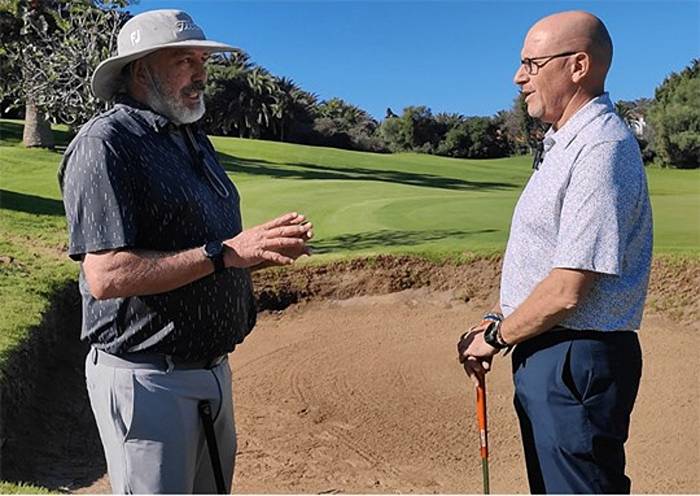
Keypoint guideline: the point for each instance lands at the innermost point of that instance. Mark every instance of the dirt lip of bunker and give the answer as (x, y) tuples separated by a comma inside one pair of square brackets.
[(44, 385)]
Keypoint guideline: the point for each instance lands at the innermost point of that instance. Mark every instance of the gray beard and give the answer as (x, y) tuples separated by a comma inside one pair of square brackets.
[(164, 103)]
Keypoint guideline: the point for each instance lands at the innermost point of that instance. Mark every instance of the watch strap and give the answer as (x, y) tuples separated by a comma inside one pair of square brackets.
[(218, 261), (214, 251)]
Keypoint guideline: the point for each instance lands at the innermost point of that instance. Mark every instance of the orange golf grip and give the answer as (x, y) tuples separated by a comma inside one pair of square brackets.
[(481, 416)]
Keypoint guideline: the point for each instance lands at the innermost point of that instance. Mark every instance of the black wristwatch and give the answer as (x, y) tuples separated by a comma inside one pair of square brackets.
[(214, 251), (492, 335)]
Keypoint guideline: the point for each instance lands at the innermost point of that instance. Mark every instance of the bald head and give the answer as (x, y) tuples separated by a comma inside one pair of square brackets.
[(564, 61), (574, 31)]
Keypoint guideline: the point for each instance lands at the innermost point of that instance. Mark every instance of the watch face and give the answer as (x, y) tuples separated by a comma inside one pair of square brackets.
[(213, 249), (490, 328), (490, 334)]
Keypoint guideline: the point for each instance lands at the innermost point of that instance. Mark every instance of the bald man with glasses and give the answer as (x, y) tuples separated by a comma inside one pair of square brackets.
[(575, 271)]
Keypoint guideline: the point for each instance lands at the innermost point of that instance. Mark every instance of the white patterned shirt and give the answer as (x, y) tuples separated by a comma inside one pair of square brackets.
[(587, 208)]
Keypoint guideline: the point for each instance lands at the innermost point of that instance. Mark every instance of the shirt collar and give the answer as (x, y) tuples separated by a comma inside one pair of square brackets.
[(157, 121), (568, 132)]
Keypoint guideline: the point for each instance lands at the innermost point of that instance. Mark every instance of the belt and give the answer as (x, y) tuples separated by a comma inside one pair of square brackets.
[(158, 361), (559, 334)]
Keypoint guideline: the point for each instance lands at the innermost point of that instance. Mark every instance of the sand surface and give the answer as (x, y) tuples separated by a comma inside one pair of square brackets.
[(355, 387), (365, 395)]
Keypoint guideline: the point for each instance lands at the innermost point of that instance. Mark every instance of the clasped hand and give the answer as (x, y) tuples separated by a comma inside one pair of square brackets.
[(277, 242), (474, 353)]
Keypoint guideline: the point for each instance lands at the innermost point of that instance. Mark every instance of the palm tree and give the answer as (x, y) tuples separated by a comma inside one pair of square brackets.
[(291, 105), (247, 99), (258, 111)]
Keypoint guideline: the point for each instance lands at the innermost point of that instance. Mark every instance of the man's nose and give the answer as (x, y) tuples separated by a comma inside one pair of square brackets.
[(520, 76), (200, 73)]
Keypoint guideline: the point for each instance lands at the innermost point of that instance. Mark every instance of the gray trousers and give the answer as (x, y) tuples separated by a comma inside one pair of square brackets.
[(150, 426)]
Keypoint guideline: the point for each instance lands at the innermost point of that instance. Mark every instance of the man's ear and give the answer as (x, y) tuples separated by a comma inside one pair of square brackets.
[(138, 73), (581, 67)]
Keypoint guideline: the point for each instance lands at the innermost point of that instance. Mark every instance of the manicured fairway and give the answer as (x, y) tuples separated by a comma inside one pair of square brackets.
[(370, 203), (359, 202)]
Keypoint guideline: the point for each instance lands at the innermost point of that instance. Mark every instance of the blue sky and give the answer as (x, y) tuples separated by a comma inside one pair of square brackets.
[(453, 56)]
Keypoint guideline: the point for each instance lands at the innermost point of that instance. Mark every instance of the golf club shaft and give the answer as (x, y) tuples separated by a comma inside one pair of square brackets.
[(483, 430)]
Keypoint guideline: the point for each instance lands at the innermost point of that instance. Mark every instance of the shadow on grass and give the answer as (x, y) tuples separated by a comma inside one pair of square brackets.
[(11, 135), (301, 170), (30, 204), (51, 439), (386, 238)]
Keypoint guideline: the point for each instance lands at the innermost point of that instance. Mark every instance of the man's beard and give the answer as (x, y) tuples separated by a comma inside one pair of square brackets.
[(164, 101)]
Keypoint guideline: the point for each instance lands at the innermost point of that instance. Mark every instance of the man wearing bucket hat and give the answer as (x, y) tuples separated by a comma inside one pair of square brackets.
[(165, 264)]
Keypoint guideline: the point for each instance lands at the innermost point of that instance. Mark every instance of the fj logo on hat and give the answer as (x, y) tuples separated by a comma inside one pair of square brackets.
[(135, 37), (186, 26)]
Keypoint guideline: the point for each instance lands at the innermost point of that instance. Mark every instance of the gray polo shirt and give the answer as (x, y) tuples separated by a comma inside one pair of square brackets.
[(129, 181), (587, 207)]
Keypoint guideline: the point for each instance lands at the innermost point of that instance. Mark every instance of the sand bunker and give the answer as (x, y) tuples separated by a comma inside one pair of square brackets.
[(364, 394)]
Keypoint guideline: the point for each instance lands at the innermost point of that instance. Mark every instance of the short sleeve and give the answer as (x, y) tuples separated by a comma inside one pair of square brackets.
[(601, 198), (99, 198)]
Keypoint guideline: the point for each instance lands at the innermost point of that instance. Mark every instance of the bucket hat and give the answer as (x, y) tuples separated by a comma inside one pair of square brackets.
[(144, 34)]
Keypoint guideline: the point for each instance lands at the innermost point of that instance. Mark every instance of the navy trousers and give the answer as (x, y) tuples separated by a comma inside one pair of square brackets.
[(574, 393)]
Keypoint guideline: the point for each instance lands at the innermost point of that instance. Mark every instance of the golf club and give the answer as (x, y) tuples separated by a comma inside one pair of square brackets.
[(208, 423), (483, 430)]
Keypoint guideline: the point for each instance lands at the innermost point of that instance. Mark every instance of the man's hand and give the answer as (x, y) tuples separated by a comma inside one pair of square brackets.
[(277, 242), (475, 353)]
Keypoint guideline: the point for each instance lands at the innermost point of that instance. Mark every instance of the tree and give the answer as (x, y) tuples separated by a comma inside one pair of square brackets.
[(10, 28), (635, 114), (60, 46), (344, 125), (246, 100), (288, 101), (224, 93), (15, 17), (239, 97), (625, 110), (675, 118), (416, 130), (474, 137), (391, 133)]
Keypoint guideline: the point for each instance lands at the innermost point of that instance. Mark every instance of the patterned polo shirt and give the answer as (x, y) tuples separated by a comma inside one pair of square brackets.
[(587, 208), (129, 181)]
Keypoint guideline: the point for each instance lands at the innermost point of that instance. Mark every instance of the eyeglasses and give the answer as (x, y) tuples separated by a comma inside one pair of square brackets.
[(533, 67)]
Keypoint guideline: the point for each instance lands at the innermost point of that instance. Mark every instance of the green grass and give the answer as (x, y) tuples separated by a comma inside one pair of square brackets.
[(21, 488), (364, 203), (32, 237)]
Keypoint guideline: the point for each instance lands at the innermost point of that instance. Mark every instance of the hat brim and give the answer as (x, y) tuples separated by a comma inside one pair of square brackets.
[(105, 79)]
